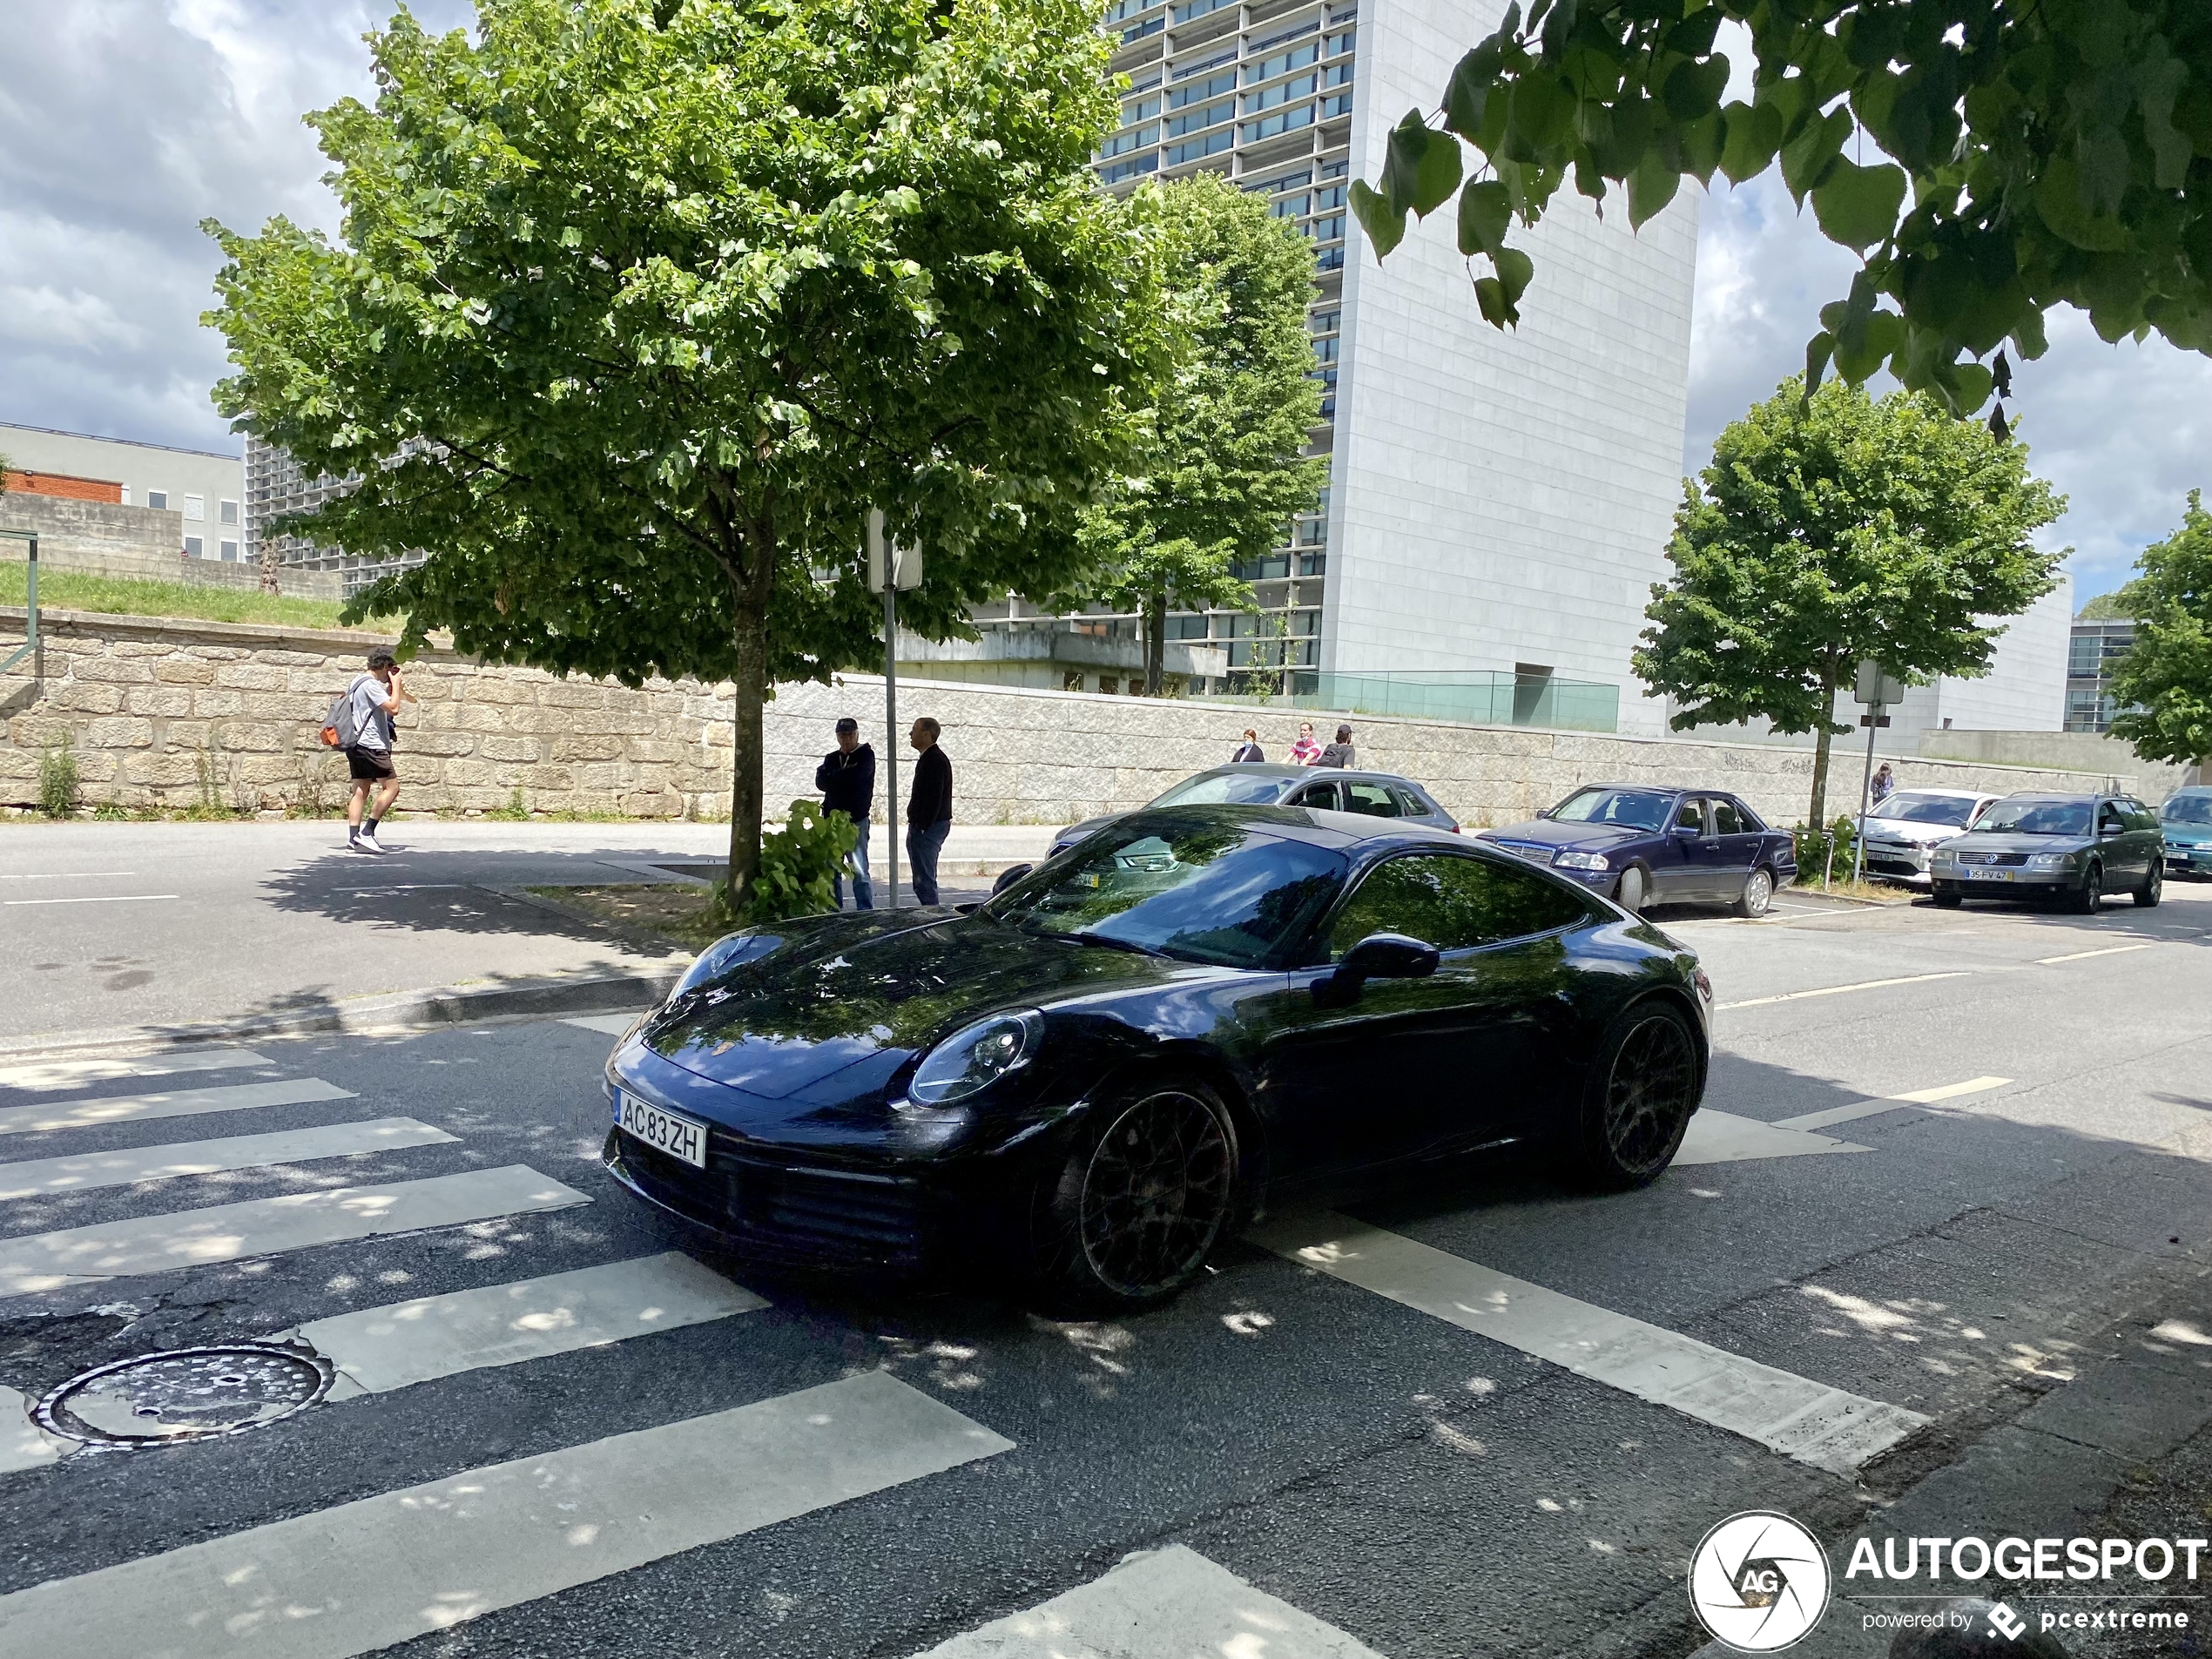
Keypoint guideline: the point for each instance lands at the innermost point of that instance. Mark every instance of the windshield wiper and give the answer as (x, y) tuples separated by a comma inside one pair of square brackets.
[(1084, 936)]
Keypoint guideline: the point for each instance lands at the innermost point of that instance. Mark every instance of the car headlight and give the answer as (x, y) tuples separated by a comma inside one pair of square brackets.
[(2053, 861), (1944, 855), (970, 1061), (1570, 859)]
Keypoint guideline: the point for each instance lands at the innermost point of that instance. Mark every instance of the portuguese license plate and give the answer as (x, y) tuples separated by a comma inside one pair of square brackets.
[(669, 1132), (1990, 875)]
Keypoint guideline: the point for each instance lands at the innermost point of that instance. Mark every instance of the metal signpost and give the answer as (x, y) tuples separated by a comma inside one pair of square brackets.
[(1877, 689), (905, 572)]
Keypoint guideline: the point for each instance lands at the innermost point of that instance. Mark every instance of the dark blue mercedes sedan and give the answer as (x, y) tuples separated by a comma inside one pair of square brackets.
[(1642, 846)]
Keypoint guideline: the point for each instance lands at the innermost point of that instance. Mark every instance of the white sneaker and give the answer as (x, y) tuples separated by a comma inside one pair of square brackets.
[(368, 843), (353, 840)]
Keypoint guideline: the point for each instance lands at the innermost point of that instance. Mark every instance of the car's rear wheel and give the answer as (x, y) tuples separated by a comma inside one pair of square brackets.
[(1637, 1102), (1758, 894), (1146, 1194), (2090, 896), (2154, 888), (1948, 900), (1629, 891)]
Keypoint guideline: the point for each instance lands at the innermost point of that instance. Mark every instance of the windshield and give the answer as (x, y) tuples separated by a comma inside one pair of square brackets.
[(1643, 809), (1194, 888), (2188, 809), (1227, 789), (1914, 808), (2038, 818)]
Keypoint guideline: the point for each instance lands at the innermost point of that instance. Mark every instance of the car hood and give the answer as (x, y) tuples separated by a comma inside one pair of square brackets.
[(1551, 832), (2005, 841), (834, 1011), (1076, 833), (2187, 834), (1904, 829)]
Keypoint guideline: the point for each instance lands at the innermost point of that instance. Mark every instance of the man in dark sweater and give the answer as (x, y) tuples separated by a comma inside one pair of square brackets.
[(1340, 753), (929, 809), (846, 778)]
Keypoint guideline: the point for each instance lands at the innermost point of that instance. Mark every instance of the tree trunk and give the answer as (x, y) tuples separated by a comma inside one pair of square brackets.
[(752, 580), (1155, 649), (1822, 744), (269, 584)]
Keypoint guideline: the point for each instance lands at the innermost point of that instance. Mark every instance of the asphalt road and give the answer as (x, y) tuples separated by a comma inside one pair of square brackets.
[(1376, 1475)]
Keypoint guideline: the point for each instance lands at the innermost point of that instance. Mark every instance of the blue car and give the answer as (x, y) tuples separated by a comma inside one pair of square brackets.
[(2186, 822), (1642, 846)]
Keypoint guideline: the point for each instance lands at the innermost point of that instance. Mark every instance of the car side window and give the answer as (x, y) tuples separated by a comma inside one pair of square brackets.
[(2108, 818), (1692, 815), (1320, 796), (1452, 902), (2141, 817), (1726, 818), (1410, 804), (1374, 799)]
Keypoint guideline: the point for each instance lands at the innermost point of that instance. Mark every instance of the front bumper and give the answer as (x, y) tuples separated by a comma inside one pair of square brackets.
[(2189, 860), (2013, 878), (1897, 861)]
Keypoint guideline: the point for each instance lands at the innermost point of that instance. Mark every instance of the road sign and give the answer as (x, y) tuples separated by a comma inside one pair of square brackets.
[(906, 562), (1876, 688), (1873, 720)]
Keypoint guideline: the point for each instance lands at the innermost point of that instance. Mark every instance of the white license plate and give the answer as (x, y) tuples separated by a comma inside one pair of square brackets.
[(669, 1132), (1992, 875)]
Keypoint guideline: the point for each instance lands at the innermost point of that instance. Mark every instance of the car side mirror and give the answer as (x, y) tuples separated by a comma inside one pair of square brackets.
[(1544, 812), (1008, 876), (2106, 832), (1376, 956), (1688, 832)]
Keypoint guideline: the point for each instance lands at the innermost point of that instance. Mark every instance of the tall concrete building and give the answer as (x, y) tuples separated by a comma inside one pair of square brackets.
[(1499, 502), (277, 484), (201, 487)]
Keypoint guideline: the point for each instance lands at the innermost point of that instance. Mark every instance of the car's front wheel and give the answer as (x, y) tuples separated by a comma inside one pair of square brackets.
[(1145, 1195), (1758, 894), (1628, 891), (1636, 1103), (2089, 897), (2154, 888)]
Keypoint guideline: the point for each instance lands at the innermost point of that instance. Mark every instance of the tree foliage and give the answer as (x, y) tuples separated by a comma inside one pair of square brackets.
[(1220, 478), (639, 307), (2105, 607), (2164, 682), (1833, 530), (2028, 153)]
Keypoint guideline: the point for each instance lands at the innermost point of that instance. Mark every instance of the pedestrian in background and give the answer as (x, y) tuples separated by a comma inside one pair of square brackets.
[(846, 778), (1305, 751), (1340, 753), (1249, 753), (1884, 785), (929, 809), (374, 698)]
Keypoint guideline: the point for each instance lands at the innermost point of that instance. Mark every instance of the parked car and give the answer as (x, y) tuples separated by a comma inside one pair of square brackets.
[(2072, 848), (1102, 1072), (2185, 822), (1908, 827), (1643, 846), (1376, 794)]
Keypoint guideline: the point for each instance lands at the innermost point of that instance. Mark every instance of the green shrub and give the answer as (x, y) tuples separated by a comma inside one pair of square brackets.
[(1814, 847), (60, 788), (799, 863), (516, 812)]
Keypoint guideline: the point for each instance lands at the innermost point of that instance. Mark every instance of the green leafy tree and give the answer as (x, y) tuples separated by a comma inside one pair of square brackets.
[(2038, 152), (1833, 530), (2164, 683), (638, 307), (1221, 478), (2105, 607)]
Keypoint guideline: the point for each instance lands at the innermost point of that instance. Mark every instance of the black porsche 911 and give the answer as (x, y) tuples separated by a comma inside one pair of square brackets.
[(1138, 1046)]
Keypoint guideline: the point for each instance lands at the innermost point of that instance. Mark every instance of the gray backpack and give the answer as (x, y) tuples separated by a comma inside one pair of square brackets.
[(340, 730)]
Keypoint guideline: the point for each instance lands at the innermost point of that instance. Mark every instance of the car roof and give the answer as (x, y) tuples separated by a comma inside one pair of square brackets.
[(1953, 794), (2057, 800), (1339, 830), (1278, 769)]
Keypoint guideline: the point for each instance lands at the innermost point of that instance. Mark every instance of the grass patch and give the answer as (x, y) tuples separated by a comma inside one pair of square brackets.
[(131, 596), (668, 912), (1869, 891)]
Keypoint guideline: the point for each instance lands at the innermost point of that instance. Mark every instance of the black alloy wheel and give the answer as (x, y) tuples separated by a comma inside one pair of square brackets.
[(1145, 1197), (2089, 897), (1639, 1098), (2154, 888)]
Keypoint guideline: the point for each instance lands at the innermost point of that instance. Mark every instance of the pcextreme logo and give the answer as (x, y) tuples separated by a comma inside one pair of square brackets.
[(1759, 1581)]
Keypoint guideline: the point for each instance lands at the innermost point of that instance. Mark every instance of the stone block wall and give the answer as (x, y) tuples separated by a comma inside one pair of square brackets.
[(161, 712)]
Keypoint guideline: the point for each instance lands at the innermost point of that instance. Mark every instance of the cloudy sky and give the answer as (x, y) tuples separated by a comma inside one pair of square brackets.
[(124, 123)]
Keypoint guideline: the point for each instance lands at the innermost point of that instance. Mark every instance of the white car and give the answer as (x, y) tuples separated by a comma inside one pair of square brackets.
[(1910, 824)]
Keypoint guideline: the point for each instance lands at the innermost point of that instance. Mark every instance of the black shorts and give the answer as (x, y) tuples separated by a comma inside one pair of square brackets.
[(370, 765)]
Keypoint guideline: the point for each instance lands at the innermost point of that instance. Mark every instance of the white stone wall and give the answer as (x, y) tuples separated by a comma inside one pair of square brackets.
[(1502, 497)]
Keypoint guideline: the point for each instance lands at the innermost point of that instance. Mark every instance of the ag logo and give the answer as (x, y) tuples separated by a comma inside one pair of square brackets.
[(1759, 1581)]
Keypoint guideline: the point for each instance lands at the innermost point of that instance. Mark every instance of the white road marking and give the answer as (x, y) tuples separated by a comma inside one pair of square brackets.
[(173, 1103), (612, 1024), (24, 1445), (1723, 1138), (1809, 1421), (382, 1570), (1838, 990), (67, 1073), (407, 886), (67, 875), (229, 1232), (1171, 1603), (98, 898), (394, 1346), (2084, 955), (1859, 1109), (36, 1177)]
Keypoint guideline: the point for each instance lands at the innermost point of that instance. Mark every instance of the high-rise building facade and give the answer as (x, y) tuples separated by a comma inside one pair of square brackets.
[(1499, 502), (277, 484)]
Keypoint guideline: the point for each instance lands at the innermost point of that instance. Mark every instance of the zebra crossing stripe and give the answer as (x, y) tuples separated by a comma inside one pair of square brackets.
[(174, 1103), (68, 1074), (229, 1232), (24, 1445), (51, 1178), (381, 1570), (382, 1348), (1170, 1603), (1807, 1420)]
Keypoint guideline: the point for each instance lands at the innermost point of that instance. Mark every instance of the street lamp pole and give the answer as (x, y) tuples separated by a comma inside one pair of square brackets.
[(891, 567)]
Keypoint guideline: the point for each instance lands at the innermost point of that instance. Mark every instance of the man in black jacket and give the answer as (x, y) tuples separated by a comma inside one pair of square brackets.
[(846, 778), (929, 809), (1340, 753)]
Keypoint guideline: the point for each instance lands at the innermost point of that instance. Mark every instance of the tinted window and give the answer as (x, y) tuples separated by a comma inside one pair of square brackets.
[(2139, 816), (1194, 888), (2109, 816), (1410, 804), (1228, 789), (1452, 903), (1726, 820), (1692, 815), (1321, 796), (1643, 809), (1375, 800), (2188, 809), (2037, 818)]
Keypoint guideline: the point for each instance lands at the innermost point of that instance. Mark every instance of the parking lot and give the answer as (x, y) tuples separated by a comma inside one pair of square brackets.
[(1944, 1157)]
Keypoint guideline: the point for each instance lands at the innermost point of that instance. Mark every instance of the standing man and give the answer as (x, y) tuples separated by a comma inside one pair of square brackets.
[(929, 809), (1305, 751), (1340, 753), (846, 778), (375, 699), (1249, 753)]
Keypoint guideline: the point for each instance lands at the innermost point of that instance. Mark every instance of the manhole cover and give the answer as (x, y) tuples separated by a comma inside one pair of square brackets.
[(185, 1394)]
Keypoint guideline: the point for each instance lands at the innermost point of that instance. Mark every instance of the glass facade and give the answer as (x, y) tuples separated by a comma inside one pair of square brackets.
[(2091, 653), (1262, 94), (277, 484)]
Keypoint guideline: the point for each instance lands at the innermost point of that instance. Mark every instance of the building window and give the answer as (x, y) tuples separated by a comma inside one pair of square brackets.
[(229, 511), (1072, 680), (1110, 685), (1192, 120), (1122, 169), (230, 552), (194, 547), (1187, 95), (1282, 121), (1197, 9), (1212, 143), (195, 508), (1269, 97), (126, 494), (1135, 138), (1282, 63), (158, 499)]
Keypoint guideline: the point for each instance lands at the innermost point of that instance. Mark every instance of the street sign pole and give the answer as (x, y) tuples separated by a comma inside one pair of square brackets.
[(1876, 690), (891, 567)]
